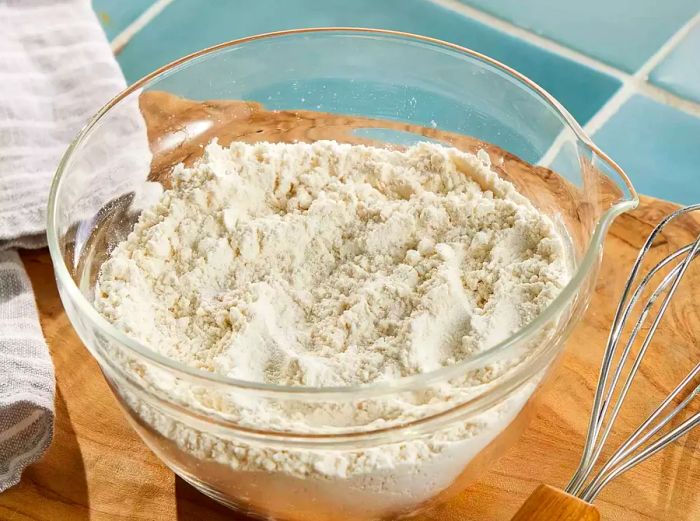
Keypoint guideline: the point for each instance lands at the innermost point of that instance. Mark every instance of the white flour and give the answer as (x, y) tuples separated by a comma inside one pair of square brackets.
[(334, 265)]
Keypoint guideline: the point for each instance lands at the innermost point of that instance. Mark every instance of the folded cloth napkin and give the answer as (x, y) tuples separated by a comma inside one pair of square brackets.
[(26, 375), (56, 70)]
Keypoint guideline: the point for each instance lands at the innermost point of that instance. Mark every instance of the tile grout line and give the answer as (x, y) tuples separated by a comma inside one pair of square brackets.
[(665, 49), (610, 107), (656, 93), (119, 41), (637, 83), (530, 37), (668, 98), (543, 43)]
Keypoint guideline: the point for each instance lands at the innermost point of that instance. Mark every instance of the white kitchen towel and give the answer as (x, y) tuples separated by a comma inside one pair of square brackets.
[(56, 70)]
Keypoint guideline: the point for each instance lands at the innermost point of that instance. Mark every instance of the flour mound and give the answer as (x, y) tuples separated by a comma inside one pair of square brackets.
[(328, 264)]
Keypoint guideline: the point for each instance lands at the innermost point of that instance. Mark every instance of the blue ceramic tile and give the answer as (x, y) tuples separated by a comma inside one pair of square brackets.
[(680, 71), (623, 33), (657, 146), (115, 15), (188, 25)]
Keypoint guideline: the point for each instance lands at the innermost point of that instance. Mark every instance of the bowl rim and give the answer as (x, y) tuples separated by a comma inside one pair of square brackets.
[(588, 262)]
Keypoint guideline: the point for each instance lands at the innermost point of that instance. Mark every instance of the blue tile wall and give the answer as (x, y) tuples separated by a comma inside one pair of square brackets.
[(654, 136), (116, 15), (624, 33), (658, 146), (680, 71), (184, 27)]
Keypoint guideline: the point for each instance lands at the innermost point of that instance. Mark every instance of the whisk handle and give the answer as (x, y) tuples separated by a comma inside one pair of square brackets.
[(551, 504)]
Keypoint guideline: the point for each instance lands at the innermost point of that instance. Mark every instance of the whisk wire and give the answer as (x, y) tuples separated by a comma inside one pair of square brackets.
[(599, 408), (600, 424), (674, 278), (645, 454), (598, 442), (628, 447), (635, 440)]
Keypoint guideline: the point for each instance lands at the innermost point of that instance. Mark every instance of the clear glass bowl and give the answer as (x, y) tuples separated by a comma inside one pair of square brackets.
[(358, 86)]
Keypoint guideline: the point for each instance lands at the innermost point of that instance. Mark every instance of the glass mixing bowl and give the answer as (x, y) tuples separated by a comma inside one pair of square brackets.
[(356, 86)]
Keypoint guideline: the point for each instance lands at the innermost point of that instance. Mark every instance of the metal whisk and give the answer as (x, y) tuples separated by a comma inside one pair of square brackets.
[(639, 446), (548, 503)]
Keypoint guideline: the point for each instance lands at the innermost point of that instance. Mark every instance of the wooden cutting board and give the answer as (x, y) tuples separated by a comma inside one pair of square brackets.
[(98, 469)]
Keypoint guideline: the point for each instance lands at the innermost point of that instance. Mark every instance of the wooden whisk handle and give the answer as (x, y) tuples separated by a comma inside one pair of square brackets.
[(552, 504)]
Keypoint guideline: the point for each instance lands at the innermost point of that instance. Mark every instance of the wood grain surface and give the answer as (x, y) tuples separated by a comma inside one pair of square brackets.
[(98, 469)]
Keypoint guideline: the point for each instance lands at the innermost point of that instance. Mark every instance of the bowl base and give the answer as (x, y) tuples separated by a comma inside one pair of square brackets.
[(217, 496)]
